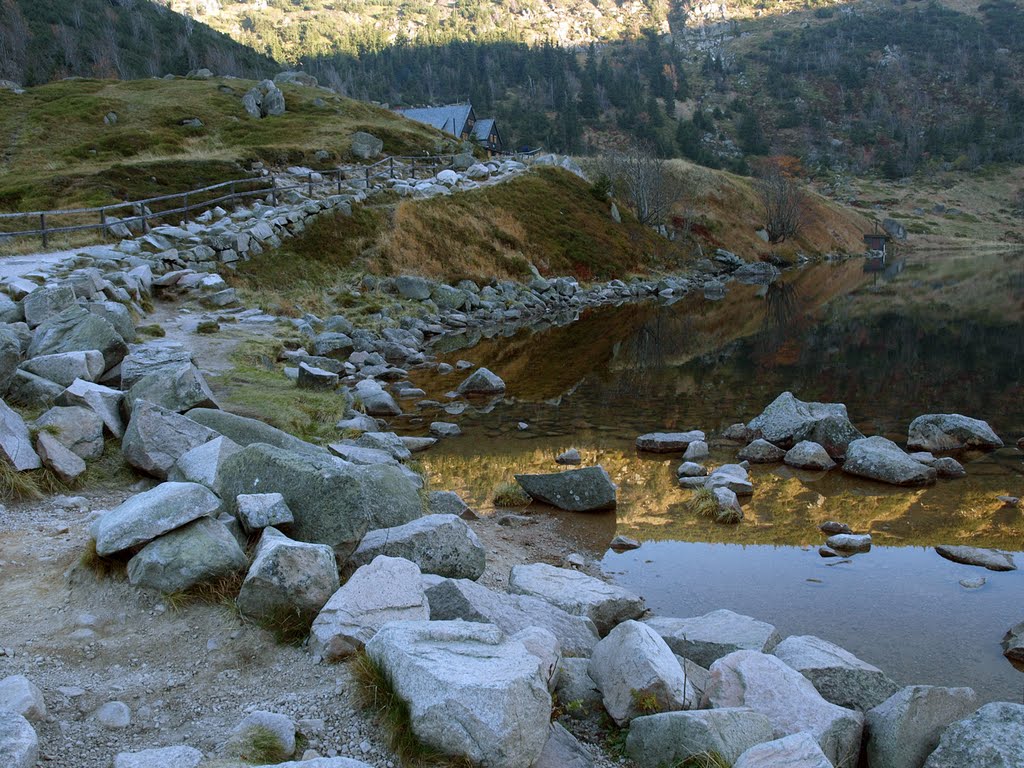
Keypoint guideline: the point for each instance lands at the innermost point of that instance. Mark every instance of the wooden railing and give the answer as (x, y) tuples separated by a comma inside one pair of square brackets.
[(186, 203)]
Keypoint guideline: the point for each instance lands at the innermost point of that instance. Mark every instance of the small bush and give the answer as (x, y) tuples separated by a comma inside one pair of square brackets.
[(511, 495), (703, 502), (263, 746), (15, 485), (208, 326), (153, 330)]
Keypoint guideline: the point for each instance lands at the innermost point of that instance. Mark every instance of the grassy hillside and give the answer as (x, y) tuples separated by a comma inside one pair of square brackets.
[(56, 150), (548, 218)]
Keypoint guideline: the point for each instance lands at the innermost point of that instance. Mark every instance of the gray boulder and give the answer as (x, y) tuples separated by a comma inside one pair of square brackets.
[(760, 451), (838, 675), (10, 310), (439, 544), (45, 302), (691, 469), (894, 229), (287, 581), (78, 429), (32, 391), (105, 402), (151, 358), (577, 593), (668, 442), (161, 757), (637, 674), (731, 476), (704, 639), (19, 745), (65, 367), (757, 273), (333, 503), (787, 421), (385, 590), (200, 551), (375, 400), (481, 382), (385, 441), (314, 378), (156, 438), (449, 503), (563, 750), (463, 599), (203, 463), (949, 468), (849, 542), (905, 728), (993, 559), (19, 695), (15, 441), (274, 731), (799, 750), (10, 358), (78, 330), (262, 510), (879, 459), (671, 738), (1013, 643), (808, 455), (58, 459), (413, 287), (358, 455), (117, 315), (470, 690), (245, 431), (767, 685), (365, 145), (577, 692), (950, 432), (576, 490), (992, 737), (265, 100), (145, 516), (570, 457), (177, 389)]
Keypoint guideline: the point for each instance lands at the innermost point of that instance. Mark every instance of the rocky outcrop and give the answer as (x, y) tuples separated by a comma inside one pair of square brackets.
[(439, 544), (264, 100), (576, 490), (605, 604), (704, 639), (950, 432), (387, 589), (879, 459), (471, 691)]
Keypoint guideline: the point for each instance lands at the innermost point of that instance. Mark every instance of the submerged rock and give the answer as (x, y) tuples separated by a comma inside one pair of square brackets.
[(668, 442)]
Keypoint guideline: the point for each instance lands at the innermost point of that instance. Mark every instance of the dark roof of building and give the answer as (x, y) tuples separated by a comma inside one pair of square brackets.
[(451, 119), (482, 128)]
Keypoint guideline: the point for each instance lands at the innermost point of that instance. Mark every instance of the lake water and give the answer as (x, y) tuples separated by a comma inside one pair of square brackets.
[(936, 333)]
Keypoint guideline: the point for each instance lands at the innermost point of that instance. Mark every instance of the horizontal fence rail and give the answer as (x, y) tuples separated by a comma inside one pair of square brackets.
[(184, 204)]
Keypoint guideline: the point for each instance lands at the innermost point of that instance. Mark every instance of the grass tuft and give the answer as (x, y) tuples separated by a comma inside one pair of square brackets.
[(376, 695), (511, 495), (221, 591), (703, 760), (153, 330), (103, 567), (703, 502), (261, 746)]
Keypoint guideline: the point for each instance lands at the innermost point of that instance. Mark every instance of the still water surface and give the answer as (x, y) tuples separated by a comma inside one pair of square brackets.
[(938, 333)]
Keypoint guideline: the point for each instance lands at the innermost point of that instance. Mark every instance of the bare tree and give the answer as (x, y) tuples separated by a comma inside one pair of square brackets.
[(644, 180), (783, 203)]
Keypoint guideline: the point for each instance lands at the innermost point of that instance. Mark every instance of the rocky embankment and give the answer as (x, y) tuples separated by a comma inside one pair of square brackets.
[(339, 546)]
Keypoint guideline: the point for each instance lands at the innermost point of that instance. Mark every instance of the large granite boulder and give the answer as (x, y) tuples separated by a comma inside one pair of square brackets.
[(387, 589), (471, 691), (993, 559), (787, 421), (760, 451), (576, 490), (365, 145), (78, 429), (466, 600), (177, 389), (10, 358), (245, 431), (78, 330), (670, 738), (767, 685), (151, 358), (203, 463), (287, 579), (481, 382), (705, 639), (65, 367), (799, 750), (577, 593), (637, 674), (198, 552), (15, 441), (105, 402), (156, 438), (440, 544), (838, 675), (668, 442), (376, 401), (58, 458), (879, 459), (413, 287), (905, 728), (145, 516), (950, 432), (19, 745), (333, 503), (992, 737), (45, 302), (19, 695), (808, 455), (563, 750)]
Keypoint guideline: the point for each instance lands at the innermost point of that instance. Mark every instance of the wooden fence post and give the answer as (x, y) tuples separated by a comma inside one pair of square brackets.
[(367, 178), (341, 175), (392, 166), (186, 209), (273, 192), (103, 223), (42, 226), (310, 180), (414, 169)]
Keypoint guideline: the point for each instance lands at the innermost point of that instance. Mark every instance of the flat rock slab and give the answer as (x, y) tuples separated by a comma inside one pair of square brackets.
[(993, 559), (797, 751), (670, 738), (471, 691), (879, 459), (440, 544), (464, 599), (668, 442), (767, 685), (838, 675), (992, 737), (905, 728), (577, 593), (387, 589), (576, 490), (145, 516), (705, 639)]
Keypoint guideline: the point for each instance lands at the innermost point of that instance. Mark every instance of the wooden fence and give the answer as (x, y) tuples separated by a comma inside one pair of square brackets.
[(186, 203)]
